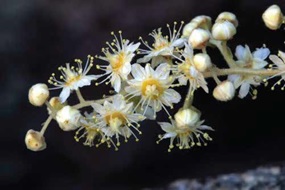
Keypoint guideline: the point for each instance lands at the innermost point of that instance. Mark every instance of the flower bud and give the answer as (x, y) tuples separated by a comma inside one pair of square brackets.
[(56, 104), (273, 17), (38, 94), (201, 21), (227, 16), (224, 91), (202, 61), (68, 118), (223, 30), (186, 117), (35, 141), (199, 38)]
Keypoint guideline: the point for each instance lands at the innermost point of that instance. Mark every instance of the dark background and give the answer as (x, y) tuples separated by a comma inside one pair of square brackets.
[(37, 36)]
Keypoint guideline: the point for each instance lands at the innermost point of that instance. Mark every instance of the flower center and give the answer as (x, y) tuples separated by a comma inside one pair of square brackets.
[(185, 69), (72, 79), (117, 61), (160, 43), (152, 88), (115, 120)]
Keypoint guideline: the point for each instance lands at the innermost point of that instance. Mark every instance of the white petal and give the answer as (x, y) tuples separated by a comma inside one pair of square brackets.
[(244, 89), (138, 72), (64, 94), (258, 63), (182, 80), (172, 96), (205, 127), (145, 59), (162, 71), (243, 53), (116, 83), (261, 53), (167, 127), (178, 42), (98, 108), (148, 70), (125, 71), (133, 47), (169, 135), (277, 61)]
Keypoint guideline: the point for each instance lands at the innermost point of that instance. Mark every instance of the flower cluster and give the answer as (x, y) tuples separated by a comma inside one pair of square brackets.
[(145, 80)]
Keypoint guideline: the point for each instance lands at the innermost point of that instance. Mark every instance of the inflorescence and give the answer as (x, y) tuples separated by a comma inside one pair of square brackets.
[(144, 86)]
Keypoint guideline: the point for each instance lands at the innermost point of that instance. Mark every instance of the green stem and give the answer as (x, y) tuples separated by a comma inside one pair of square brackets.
[(225, 51), (242, 71), (79, 95), (189, 99), (90, 102), (46, 124)]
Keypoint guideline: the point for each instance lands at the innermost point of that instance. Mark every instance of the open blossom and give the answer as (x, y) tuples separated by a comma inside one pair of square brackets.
[(119, 56), (116, 118), (153, 86), (73, 78), (187, 129), (279, 63), (91, 132), (187, 71), (246, 59), (163, 45)]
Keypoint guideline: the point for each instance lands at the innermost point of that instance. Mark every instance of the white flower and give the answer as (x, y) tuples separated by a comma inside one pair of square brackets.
[(187, 71), (68, 118), (188, 131), (119, 59), (163, 45), (153, 87), (279, 63), (246, 59), (116, 118), (73, 78), (91, 132)]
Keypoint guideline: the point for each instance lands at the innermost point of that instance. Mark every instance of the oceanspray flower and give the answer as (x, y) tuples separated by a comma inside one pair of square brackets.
[(116, 118), (153, 86), (186, 128), (119, 56), (163, 45), (246, 59), (73, 78)]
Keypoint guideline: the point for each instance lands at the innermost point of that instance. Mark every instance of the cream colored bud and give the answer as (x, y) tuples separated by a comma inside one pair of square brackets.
[(201, 21), (198, 38), (224, 91), (223, 31), (68, 118), (38, 94), (35, 141), (56, 104), (273, 17), (186, 117), (227, 16), (202, 61)]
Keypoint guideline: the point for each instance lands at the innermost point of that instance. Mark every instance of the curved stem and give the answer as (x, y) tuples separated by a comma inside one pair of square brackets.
[(46, 124), (90, 102), (225, 51)]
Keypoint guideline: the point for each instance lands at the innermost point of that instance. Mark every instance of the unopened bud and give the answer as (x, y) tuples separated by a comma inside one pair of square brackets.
[(273, 17), (227, 16), (186, 117), (201, 21), (38, 94), (224, 91), (56, 104), (202, 61), (223, 31), (68, 118), (35, 141), (198, 38)]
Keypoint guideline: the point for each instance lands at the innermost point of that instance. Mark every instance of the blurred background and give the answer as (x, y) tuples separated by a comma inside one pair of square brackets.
[(37, 36)]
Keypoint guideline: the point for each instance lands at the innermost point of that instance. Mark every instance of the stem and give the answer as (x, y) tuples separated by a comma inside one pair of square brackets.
[(79, 95), (90, 102), (53, 111), (225, 51), (189, 98), (46, 124), (242, 71)]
